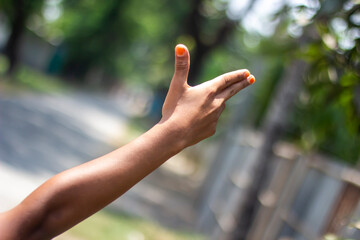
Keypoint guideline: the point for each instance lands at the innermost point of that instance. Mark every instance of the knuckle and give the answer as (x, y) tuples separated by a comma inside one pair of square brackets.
[(181, 65), (245, 72), (213, 129), (241, 74), (214, 106), (226, 80), (222, 105), (219, 109), (212, 91)]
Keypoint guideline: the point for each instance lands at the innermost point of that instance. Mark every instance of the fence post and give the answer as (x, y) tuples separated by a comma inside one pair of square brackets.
[(286, 197)]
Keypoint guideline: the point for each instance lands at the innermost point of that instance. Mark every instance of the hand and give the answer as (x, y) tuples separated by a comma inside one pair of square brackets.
[(195, 110), (190, 114)]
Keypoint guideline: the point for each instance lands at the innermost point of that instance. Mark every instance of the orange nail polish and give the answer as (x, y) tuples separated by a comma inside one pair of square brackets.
[(246, 73), (180, 50), (251, 79)]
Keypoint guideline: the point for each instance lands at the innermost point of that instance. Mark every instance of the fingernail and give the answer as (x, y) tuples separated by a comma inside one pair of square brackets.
[(180, 50), (246, 73), (251, 79)]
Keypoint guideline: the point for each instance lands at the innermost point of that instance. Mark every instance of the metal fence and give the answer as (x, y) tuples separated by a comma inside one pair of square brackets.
[(306, 196)]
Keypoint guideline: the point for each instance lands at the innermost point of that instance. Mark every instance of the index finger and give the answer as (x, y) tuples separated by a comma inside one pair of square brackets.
[(224, 81)]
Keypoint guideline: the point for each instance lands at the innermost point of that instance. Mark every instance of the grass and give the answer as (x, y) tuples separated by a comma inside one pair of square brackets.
[(108, 225), (25, 78), (33, 80)]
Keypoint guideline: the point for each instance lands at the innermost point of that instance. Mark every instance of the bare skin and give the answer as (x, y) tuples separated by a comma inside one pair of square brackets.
[(189, 115)]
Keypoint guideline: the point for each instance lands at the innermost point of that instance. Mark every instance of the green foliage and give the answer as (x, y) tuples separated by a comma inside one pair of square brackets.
[(94, 33), (132, 41), (126, 39), (30, 79), (10, 7), (327, 117), (274, 71), (4, 64), (334, 237), (106, 225), (327, 114)]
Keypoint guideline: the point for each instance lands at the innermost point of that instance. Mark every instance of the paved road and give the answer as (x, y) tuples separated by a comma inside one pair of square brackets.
[(41, 135)]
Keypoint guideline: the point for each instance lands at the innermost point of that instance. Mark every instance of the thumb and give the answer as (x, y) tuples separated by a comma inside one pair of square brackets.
[(182, 64)]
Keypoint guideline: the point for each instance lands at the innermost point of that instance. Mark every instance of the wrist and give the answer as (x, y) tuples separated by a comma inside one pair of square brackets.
[(173, 133)]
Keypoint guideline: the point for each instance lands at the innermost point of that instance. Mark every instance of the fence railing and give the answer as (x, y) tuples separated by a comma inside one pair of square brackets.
[(306, 195)]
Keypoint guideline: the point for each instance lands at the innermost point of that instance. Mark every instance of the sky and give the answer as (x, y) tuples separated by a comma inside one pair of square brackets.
[(258, 19)]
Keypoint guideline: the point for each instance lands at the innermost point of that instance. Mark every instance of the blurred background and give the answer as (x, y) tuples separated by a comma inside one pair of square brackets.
[(81, 78)]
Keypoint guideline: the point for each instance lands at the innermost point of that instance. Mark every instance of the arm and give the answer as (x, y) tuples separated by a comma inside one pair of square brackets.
[(190, 115)]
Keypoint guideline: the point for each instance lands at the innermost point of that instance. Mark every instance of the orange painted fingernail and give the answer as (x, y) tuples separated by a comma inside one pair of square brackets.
[(246, 73), (251, 79), (180, 50)]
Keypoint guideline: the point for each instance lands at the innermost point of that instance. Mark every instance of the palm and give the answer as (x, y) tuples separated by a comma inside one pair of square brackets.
[(196, 110)]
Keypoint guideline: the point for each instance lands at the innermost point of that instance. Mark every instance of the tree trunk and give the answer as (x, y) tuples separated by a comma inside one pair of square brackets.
[(202, 48), (276, 120), (11, 49)]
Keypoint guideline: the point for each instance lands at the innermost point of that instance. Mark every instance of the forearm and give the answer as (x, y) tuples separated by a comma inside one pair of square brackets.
[(77, 193), (190, 114)]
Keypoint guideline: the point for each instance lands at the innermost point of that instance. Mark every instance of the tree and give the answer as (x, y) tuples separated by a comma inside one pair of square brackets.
[(345, 62), (96, 41), (17, 12), (205, 40)]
